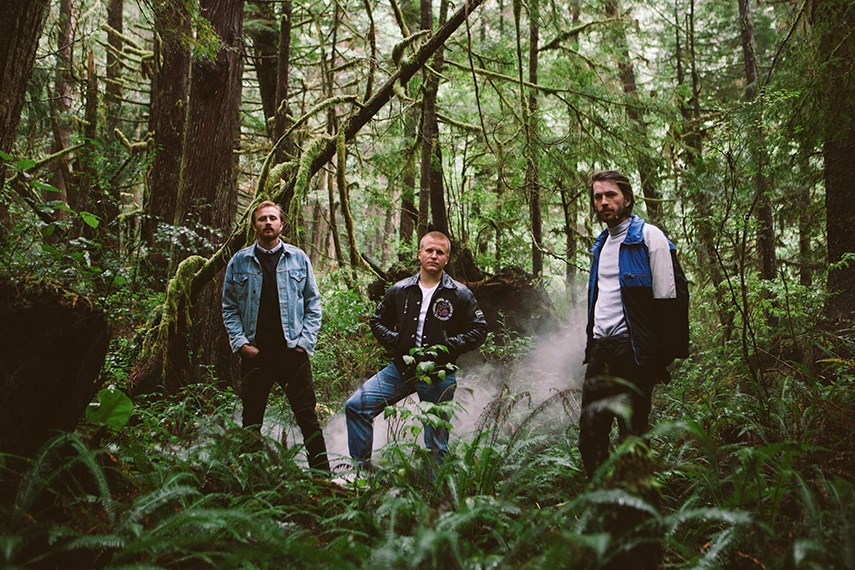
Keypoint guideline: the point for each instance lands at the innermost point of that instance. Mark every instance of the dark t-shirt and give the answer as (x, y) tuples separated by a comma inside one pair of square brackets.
[(269, 333)]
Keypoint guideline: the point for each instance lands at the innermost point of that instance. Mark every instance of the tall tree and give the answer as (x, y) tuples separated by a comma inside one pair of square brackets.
[(61, 102), (647, 170), (113, 101), (428, 138), (835, 21), (529, 106), (438, 210), (170, 91), (263, 31), (757, 144), (408, 17), (20, 30), (282, 121), (209, 186)]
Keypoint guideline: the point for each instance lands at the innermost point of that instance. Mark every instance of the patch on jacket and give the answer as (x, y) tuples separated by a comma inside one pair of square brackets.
[(443, 309)]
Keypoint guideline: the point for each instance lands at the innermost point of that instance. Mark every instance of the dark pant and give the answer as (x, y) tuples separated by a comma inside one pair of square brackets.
[(291, 369), (613, 381)]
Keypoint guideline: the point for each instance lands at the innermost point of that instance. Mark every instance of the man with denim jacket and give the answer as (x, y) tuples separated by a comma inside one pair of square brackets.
[(637, 319), (427, 309), (272, 312)]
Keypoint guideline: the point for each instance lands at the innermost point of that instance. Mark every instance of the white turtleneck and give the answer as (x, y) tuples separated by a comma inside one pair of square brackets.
[(609, 318)]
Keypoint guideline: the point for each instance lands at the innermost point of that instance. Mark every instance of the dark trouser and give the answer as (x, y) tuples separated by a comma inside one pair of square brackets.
[(613, 379), (291, 369)]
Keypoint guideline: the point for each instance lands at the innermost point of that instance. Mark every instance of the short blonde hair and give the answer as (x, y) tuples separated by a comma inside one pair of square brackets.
[(436, 235), (268, 204)]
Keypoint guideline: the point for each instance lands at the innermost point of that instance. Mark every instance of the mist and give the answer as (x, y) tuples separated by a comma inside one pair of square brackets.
[(549, 375)]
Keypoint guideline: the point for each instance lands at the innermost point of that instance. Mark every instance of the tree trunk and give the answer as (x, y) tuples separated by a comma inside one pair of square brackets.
[(113, 100), (529, 106), (532, 175), (60, 106), (409, 214), (570, 202), (264, 36), (332, 126), (282, 121), (89, 196), (209, 192), (20, 30), (426, 134), (647, 171), (757, 145), (835, 20), (169, 100)]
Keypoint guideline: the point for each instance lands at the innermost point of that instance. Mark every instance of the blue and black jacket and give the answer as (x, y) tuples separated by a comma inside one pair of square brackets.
[(654, 293)]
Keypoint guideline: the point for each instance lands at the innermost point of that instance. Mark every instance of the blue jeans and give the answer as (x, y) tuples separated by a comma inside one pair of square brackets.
[(386, 388)]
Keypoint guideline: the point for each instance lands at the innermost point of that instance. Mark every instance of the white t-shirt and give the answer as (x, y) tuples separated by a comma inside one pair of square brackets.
[(427, 295)]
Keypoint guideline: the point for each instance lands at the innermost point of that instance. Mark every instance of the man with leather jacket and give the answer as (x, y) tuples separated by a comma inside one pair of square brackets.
[(428, 309)]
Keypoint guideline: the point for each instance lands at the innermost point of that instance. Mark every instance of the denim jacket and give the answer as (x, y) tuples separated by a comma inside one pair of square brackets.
[(299, 300)]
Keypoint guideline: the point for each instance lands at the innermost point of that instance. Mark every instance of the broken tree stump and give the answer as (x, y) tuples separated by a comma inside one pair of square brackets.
[(54, 344)]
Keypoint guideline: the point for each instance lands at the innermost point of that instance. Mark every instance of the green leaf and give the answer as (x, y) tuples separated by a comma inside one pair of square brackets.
[(111, 408), (441, 374), (48, 230), (25, 164), (408, 360), (60, 205), (5, 156), (45, 187), (90, 219)]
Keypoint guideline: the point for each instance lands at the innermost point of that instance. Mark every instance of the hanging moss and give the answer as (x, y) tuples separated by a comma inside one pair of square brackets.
[(176, 304)]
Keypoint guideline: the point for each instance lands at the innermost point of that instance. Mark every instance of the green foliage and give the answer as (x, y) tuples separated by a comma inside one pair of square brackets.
[(505, 346), (111, 408), (346, 349), (427, 365)]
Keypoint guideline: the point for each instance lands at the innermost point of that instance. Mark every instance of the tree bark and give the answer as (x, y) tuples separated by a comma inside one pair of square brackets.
[(264, 35), (209, 192), (282, 121), (113, 98), (20, 30), (532, 174), (169, 99), (409, 213), (60, 107), (426, 134), (332, 126), (835, 20)]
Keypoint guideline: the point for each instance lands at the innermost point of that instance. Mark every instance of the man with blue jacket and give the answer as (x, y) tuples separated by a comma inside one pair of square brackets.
[(637, 319), (272, 312)]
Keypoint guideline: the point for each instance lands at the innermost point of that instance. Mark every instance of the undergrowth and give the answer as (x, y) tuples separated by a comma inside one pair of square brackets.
[(727, 482)]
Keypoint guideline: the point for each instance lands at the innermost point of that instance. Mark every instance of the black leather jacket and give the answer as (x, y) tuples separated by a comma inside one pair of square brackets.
[(453, 320)]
